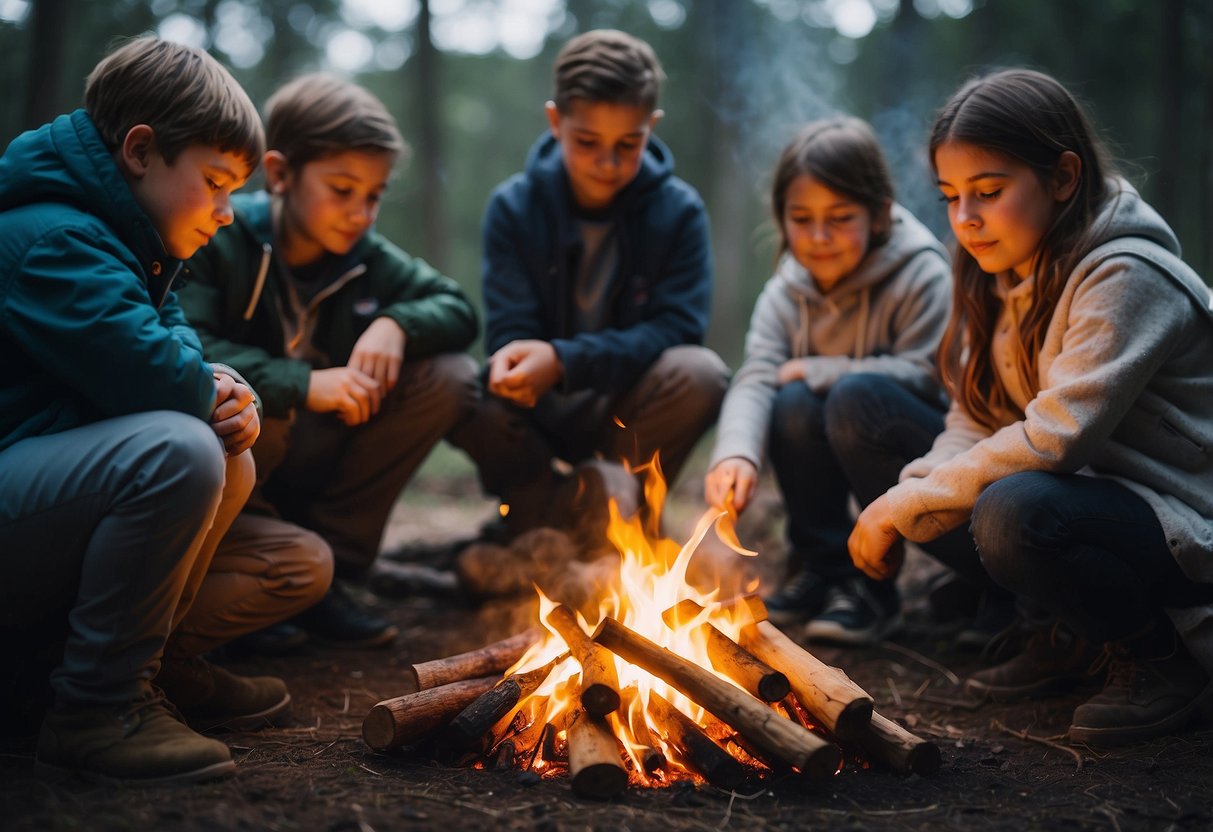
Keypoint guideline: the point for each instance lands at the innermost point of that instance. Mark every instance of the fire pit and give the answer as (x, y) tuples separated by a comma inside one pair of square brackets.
[(661, 683)]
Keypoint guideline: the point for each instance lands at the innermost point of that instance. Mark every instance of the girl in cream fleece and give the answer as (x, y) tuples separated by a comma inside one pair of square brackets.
[(840, 350), (1079, 447)]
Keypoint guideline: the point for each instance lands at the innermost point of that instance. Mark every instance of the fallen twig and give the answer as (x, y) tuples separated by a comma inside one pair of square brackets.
[(1024, 735), (923, 660)]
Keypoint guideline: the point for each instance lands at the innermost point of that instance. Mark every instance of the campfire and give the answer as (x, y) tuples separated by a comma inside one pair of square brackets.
[(662, 682)]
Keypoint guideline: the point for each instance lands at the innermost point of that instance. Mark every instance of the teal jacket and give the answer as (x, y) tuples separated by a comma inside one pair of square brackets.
[(234, 295), (89, 326)]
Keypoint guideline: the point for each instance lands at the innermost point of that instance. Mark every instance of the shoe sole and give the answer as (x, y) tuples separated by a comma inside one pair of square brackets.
[(1004, 694), (215, 771), (834, 633), (1110, 737), (266, 718)]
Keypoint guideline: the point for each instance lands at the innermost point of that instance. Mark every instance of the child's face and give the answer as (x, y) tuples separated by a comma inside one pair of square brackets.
[(189, 200), (603, 147), (827, 233), (998, 207), (328, 203)]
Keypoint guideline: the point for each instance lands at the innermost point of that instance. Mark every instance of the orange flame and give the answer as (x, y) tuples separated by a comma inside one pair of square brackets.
[(652, 578)]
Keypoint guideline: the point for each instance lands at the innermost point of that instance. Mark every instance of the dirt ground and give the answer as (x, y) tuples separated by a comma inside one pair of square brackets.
[(1005, 767)]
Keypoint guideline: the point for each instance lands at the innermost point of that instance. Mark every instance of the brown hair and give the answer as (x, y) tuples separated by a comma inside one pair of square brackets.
[(606, 65), (182, 93), (843, 154), (317, 115), (1029, 117)]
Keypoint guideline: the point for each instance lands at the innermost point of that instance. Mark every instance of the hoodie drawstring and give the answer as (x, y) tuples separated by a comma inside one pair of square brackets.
[(259, 284)]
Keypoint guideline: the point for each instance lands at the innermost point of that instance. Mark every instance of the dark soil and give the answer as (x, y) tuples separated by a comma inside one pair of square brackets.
[(1005, 767)]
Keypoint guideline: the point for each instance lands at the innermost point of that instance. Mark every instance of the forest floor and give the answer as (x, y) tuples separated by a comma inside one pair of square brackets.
[(1005, 767)]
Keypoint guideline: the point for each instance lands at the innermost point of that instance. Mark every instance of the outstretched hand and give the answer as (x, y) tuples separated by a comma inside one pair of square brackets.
[(876, 547), (234, 417), (735, 475), (522, 371)]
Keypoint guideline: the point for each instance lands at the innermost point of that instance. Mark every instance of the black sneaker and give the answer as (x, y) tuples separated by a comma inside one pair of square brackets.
[(1053, 659), (853, 614), (281, 639), (799, 599), (338, 620), (1142, 699)]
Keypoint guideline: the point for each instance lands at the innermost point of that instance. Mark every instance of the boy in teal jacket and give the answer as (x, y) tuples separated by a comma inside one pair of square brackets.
[(123, 453), (355, 347)]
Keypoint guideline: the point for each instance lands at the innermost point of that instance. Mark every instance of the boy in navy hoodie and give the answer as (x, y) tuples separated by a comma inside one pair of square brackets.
[(597, 280), (124, 455)]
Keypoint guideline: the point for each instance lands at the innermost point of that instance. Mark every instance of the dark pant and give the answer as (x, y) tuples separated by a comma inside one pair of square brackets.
[(668, 410), (855, 439), (341, 482), (1086, 549)]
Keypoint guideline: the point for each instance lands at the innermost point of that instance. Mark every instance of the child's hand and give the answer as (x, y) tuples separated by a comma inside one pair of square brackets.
[(379, 352), (234, 417), (794, 369), (352, 394), (875, 544), (736, 475), (522, 371)]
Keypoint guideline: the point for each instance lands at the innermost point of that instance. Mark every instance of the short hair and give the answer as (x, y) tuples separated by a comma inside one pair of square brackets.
[(606, 65), (318, 115), (843, 154), (185, 95)]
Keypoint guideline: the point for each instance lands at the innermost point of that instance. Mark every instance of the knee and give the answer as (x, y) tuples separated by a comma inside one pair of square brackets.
[(308, 564), (239, 477), (701, 375), (1007, 515), (187, 452), (797, 419), (851, 404)]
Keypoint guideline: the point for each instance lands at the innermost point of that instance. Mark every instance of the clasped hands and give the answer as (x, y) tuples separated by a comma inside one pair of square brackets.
[(522, 371), (354, 392)]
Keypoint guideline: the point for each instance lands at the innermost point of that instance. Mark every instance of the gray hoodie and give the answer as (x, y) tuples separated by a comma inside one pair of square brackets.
[(1126, 378), (885, 317)]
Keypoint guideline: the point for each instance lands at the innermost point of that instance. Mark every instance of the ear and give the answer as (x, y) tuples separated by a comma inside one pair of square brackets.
[(553, 114), (134, 155), (1066, 175), (656, 117), (277, 172)]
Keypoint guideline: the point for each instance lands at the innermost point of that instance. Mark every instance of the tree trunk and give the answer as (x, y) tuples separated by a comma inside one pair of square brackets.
[(1170, 105), (47, 52), (429, 143)]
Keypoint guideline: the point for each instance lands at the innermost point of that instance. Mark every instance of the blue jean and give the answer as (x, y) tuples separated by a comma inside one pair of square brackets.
[(854, 439), (1086, 549)]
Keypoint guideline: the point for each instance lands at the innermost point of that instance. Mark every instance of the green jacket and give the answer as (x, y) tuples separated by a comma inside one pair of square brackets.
[(234, 292), (89, 326)]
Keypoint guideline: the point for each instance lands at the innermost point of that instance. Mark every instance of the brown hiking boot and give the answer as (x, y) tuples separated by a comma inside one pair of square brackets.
[(1052, 660), (1142, 699), (210, 697), (135, 743)]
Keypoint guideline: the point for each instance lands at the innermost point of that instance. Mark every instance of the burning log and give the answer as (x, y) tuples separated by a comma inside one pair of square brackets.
[(595, 766), (900, 750), (842, 707), (475, 720), (697, 750), (651, 757), (730, 658), (770, 733), (484, 661), (394, 723), (599, 681)]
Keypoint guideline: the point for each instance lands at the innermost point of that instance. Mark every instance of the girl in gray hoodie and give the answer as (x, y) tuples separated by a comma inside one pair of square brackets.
[(1079, 446), (840, 350)]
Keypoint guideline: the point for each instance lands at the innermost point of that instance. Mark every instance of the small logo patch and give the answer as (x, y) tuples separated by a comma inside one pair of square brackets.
[(365, 307)]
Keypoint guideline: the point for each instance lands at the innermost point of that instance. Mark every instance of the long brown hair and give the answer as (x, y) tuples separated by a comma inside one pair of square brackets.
[(1031, 118)]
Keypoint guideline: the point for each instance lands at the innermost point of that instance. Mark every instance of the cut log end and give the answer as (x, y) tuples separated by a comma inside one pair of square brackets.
[(854, 720), (379, 728), (600, 700)]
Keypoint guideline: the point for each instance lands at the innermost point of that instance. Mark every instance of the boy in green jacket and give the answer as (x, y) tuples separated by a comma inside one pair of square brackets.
[(123, 453), (355, 347)]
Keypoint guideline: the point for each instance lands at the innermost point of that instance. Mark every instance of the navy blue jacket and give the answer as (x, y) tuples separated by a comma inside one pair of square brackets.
[(661, 293)]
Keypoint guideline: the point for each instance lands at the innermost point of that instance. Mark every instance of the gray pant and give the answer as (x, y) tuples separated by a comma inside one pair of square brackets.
[(668, 410), (316, 472), (113, 526)]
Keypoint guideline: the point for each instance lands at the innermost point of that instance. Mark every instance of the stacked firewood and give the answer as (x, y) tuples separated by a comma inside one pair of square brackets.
[(787, 711)]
